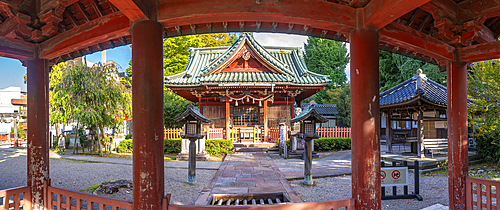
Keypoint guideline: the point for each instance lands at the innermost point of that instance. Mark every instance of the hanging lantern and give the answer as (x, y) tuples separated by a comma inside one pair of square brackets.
[(236, 103), (248, 99), (253, 100), (260, 103)]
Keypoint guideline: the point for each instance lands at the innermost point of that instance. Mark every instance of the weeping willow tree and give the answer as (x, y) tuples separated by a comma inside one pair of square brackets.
[(90, 96)]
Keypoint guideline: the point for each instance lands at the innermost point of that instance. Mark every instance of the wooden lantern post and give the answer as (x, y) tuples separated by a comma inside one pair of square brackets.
[(308, 119), (192, 119)]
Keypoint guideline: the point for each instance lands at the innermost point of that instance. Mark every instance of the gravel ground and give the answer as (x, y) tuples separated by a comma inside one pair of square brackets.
[(75, 175), (433, 189)]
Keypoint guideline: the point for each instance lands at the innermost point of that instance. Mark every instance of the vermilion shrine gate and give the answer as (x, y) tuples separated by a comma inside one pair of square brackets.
[(450, 33), (246, 88)]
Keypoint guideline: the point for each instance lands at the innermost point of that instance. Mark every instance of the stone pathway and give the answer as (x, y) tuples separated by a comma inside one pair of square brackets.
[(338, 163), (247, 173)]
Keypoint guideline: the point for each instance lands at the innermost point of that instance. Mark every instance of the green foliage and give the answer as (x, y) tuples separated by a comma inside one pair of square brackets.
[(125, 146), (55, 142), (330, 58), (67, 140), (342, 98), (214, 147), (172, 146), (128, 136), (484, 90), (328, 144), (173, 106), (12, 129), (59, 103), (395, 68), (90, 189)]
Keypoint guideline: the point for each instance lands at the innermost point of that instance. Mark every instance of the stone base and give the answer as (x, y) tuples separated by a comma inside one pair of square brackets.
[(298, 154), (199, 156)]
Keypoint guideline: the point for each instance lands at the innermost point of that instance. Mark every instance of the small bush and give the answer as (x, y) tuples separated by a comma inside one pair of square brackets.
[(125, 146), (55, 142), (488, 145), (172, 146), (328, 144), (214, 147), (67, 140), (128, 136)]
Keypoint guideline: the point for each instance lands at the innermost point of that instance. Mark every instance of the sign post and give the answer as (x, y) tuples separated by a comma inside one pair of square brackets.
[(394, 176)]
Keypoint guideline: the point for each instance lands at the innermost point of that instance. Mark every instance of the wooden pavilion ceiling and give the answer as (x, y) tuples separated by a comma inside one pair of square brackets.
[(429, 30)]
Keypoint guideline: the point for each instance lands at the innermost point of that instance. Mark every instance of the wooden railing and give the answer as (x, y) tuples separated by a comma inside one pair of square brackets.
[(173, 133), (67, 199), (215, 133), (11, 198), (274, 134), (479, 190), (334, 132), (347, 204)]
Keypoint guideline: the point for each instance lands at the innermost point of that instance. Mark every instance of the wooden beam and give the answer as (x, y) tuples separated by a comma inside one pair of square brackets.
[(316, 14), (411, 39), (447, 8), (485, 35), (16, 49), (91, 33), (480, 52), (379, 13), (135, 10), (97, 8), (82, 10)]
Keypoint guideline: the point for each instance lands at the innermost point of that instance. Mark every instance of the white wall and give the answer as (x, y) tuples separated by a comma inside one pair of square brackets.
[(6, 95)]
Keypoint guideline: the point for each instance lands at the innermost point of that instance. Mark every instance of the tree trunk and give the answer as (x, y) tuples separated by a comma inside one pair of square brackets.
[(16, 143), (76, 137), (102, 139)]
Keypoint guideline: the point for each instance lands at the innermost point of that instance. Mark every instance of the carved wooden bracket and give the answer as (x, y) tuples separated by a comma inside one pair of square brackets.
[(294, 93), (454, 33)]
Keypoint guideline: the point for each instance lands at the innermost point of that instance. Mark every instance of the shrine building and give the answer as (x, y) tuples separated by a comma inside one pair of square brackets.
[(246, 88)]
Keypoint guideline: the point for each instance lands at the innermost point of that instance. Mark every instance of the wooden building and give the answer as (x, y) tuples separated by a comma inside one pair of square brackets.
[(328, 111), (246, 88), (417, 104)]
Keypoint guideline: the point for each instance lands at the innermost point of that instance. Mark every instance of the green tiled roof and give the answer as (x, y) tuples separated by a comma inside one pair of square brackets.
[(291, 69)]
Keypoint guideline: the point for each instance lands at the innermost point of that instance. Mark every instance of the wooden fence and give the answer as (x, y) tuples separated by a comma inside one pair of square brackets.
[(215, 133), (173, 133), (274, 134), (334, 132), (481, 192), (16, 202), (68, 199)]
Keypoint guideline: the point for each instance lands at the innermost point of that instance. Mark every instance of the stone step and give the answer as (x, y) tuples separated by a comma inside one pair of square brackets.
[(250, 149), (251, 144)]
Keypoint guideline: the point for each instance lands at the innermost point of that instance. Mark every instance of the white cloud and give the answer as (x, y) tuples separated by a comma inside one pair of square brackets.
[(285, 40)]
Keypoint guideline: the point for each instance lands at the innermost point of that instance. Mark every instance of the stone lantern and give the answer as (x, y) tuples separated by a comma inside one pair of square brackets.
[(192, 119), (308, 119)]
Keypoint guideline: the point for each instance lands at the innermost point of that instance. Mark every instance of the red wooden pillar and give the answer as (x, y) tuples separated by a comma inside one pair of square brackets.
[(365, 118), (457, 134), (147, 108), (38, 118), (228, 116), (266, 138)]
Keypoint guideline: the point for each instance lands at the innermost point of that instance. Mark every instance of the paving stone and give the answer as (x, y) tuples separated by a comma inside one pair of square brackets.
[(268, 184), (230, 190), (243, 179), (222, 184), (226, 179), (242, 184), (264, 189), (229, 175), (235, 163), (244, 175)]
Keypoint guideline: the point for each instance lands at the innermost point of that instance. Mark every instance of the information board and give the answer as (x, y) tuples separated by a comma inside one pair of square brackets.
[(394, 176)]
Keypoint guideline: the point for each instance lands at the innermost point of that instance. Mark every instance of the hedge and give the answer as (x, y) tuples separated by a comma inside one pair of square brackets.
[(218, 146), (174, 146), (125, 146), (333, 143)]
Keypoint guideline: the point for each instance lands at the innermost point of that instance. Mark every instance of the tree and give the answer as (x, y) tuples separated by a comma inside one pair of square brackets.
[(342, 98), (58, 99), (173, 106), (92, 95), (327, 57), (483, 88), (395, 68)]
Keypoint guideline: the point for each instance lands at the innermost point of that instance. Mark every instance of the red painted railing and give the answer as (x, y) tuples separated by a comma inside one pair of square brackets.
[(68, 199), (274, 134), (479, 190), (63, 199), (334, 132), (16, 202)]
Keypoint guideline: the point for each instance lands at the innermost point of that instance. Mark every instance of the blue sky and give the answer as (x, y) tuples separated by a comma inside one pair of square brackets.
[(12, 72)]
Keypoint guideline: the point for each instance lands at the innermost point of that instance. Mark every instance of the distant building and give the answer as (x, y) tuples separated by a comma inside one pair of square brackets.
[(12, 100), (328, 111)]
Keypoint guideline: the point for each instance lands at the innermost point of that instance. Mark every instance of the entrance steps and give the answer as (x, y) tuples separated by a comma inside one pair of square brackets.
[(253, 147)]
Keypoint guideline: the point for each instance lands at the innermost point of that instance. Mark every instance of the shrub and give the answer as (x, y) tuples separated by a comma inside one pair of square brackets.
[(328, 144), (488, 144), (172, 146), (125, 146), (128, 136), (67, 140), (55, 142), (214, 147)]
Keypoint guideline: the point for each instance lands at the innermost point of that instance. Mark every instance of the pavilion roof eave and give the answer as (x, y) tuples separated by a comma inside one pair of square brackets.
[(411, 101), (218, 84)]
